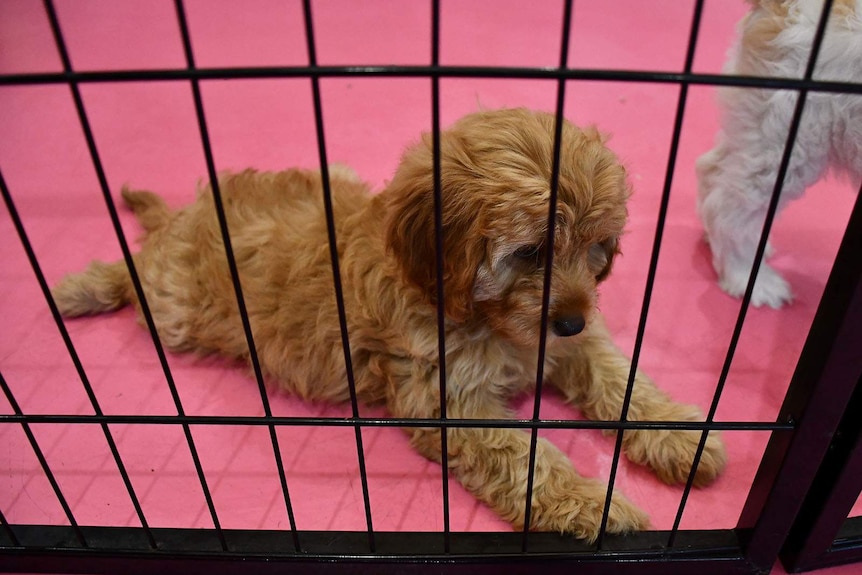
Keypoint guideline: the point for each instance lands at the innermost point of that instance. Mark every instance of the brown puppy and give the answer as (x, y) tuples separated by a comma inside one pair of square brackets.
[(496, 172)]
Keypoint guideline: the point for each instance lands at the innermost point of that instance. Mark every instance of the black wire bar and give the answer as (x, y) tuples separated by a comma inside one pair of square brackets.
[(336, 273), (73, 355), (654, 258), (758, 256), (498, 72), (254, 420), (46, 469), (127, 256), (231, 260), (549, 262), (439, 242)]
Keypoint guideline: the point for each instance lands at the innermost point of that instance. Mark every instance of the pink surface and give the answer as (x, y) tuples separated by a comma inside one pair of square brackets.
[(147, 135)]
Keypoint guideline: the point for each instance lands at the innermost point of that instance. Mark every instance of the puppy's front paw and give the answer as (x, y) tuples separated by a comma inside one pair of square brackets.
[(579, 512), (670, 453), (712, 461), (769, 287), (675, 452)]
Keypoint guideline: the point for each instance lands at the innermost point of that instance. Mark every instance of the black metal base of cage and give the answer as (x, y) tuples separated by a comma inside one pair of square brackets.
[(845, 548), (55, 549)]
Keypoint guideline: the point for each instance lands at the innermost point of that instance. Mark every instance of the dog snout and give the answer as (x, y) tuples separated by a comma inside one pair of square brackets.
[(568, 325)]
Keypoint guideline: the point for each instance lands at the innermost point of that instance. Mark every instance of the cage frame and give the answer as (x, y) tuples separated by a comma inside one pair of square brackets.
[(824, 380)]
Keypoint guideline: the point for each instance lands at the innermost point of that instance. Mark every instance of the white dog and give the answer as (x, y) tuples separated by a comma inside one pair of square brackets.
[(737, 177)]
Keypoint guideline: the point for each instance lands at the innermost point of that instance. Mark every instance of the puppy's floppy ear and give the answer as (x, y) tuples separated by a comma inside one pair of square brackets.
[(410, 234)]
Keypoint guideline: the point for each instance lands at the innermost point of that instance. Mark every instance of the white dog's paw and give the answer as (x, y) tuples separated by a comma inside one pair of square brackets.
[(769, 288)]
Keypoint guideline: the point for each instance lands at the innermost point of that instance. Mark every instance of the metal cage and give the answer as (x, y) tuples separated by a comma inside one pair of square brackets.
[(824, 382)]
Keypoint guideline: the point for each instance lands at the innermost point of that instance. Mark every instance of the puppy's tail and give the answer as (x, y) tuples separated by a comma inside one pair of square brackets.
[(150, 209), (101, 287)]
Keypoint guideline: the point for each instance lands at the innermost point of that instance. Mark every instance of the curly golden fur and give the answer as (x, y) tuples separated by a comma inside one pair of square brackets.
[(496, 168)]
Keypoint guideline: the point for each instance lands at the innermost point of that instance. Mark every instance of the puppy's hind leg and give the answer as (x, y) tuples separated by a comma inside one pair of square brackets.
[(105, 287), (100, 288)]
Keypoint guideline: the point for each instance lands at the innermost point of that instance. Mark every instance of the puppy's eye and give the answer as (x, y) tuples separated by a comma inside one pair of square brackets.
[(530, 252), (530, 256)]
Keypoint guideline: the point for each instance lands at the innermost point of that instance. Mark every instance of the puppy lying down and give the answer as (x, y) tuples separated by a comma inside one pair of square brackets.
[(496, 172)]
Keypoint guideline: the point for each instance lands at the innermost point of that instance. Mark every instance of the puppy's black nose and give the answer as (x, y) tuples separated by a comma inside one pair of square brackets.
[(569, 325)]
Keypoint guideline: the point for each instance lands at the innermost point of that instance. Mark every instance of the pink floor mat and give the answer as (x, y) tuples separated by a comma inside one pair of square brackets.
[(147, 136)]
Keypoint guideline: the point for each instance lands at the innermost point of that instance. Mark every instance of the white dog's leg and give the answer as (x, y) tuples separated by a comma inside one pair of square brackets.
[(733, 220), (737, 177)]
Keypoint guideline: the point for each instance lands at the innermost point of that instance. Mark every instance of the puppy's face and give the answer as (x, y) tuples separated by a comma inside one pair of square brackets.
[(496, 176)]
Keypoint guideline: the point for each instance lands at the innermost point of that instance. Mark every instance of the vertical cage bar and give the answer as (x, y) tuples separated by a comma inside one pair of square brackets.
[(73, 355), (833, 491), (549, 262), (682, 98), (333, 254), (43, 463), (231, 261), (439, 239), (758, 256), (127, 255)]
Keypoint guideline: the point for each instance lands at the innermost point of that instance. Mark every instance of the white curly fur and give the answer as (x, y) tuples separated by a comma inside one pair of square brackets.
[(736, 178)]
